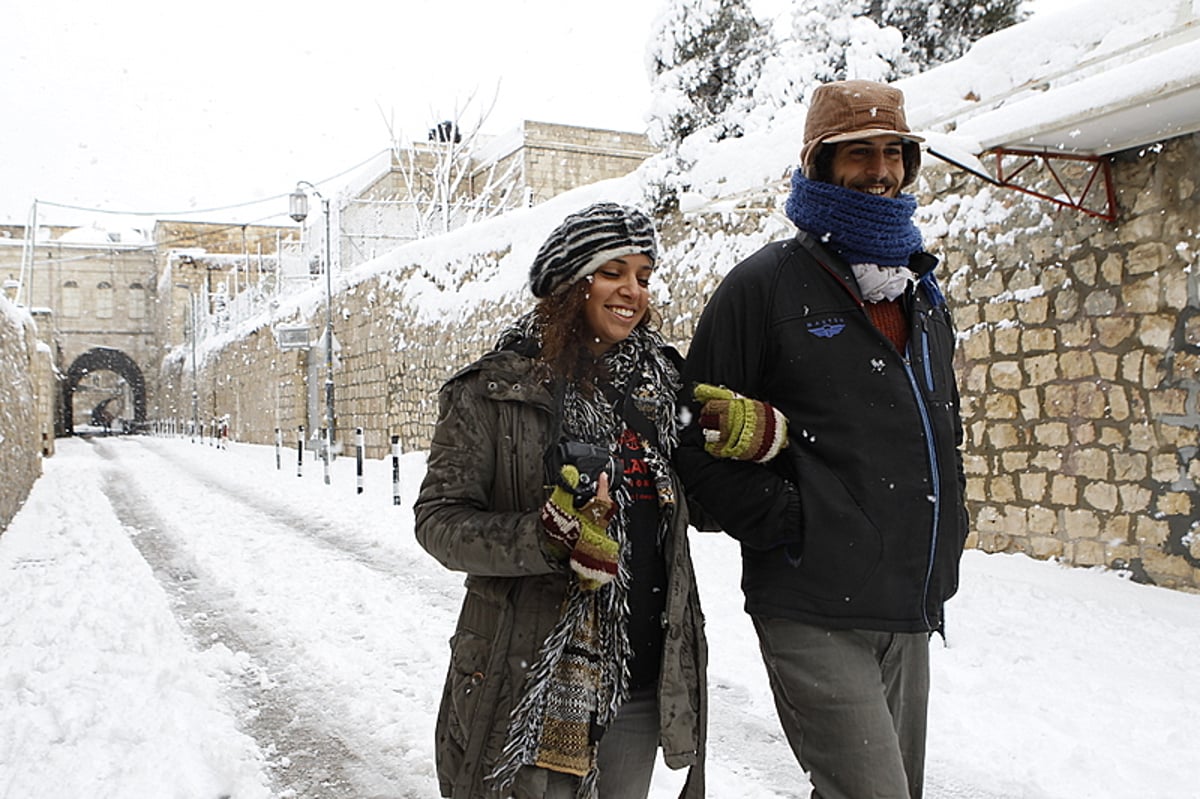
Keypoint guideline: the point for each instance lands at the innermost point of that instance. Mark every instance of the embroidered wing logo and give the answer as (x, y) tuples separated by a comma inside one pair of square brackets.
[(827, 328)]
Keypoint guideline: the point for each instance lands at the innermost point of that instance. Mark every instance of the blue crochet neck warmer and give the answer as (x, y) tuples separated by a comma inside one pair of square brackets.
[(860, 227)]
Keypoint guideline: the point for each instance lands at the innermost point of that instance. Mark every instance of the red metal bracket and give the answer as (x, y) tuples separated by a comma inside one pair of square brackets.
[(1080, 179)]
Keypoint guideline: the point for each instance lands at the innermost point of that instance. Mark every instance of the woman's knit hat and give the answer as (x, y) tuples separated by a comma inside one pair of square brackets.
[(585, 241)]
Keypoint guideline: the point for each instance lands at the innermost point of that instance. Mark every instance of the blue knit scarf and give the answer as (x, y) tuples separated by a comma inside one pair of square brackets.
[(860, 227)]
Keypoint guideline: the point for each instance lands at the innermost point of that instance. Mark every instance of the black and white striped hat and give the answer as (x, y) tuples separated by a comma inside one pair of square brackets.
[(585, 241)]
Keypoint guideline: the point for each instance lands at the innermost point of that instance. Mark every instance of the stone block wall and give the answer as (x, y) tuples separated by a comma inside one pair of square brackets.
[(561, 157), (1079, 356), (1079, 367)]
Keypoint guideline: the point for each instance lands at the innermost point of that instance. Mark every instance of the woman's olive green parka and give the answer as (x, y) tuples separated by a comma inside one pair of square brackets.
[(478, 512)]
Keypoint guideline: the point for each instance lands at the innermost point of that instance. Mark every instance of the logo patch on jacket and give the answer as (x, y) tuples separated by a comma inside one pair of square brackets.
[(827, 328)]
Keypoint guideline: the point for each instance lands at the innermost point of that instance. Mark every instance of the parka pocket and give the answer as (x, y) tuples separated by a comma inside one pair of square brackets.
[(842, 547), (468, 675)]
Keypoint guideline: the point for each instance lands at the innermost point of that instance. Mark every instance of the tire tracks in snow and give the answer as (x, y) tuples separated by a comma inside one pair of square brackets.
[(306, 758), (392, 564)]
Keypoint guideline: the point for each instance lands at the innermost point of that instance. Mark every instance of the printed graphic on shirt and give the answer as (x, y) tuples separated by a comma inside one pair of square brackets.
[(637, 472)]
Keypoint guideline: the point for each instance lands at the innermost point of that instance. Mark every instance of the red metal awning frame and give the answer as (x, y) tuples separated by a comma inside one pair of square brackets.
[(1024, 168)]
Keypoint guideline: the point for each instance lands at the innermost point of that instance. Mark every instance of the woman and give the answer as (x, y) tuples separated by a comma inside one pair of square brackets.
[(580, 646)]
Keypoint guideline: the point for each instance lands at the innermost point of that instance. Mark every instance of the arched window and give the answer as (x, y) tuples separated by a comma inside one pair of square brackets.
[(70, 298), (104, 300), (137, 301)]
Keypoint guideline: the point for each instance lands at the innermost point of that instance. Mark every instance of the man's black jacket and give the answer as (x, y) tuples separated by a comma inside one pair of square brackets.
[(860, 522)]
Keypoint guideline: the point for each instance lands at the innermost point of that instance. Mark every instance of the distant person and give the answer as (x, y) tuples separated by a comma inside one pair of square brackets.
[(851, 536), (580, 647)]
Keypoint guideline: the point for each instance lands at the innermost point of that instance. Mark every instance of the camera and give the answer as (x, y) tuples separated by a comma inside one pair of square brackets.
[(591, 460)]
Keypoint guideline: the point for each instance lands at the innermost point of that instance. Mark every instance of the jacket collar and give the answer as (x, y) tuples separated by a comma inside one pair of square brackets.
[(920, 262), (508, 376)]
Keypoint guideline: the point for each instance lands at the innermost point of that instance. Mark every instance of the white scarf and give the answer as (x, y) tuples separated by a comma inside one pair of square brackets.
[(882, 282)]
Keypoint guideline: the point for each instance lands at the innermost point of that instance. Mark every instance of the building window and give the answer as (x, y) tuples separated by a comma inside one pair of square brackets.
[(137, 301), (70, 298), (104, 300)]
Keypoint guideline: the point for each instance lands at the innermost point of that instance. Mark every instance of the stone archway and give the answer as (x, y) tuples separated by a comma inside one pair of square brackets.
[(113, 360)]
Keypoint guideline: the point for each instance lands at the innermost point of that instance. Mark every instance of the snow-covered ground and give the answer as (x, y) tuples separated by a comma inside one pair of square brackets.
[(182, 621)]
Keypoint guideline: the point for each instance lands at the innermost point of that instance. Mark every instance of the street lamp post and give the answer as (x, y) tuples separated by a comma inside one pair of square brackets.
[(298, 210), (192, 325)]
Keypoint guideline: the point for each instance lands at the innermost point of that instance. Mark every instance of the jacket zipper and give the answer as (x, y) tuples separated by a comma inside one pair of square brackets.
[(934, 469), (925, 356)]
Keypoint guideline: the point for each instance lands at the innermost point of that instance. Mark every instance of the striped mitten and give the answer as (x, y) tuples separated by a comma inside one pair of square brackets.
[(738, 427), (581, 533)]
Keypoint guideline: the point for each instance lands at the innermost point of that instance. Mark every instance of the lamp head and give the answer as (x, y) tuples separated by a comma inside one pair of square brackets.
[(298, 205)]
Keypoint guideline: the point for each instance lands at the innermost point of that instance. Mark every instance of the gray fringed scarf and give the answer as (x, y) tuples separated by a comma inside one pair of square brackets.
[(581, 675)]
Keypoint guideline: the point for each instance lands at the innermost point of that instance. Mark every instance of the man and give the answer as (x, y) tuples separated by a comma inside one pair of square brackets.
[(852, 533)]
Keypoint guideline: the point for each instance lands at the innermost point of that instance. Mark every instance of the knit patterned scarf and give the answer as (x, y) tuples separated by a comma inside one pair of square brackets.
[(581, 675), (860, 227)]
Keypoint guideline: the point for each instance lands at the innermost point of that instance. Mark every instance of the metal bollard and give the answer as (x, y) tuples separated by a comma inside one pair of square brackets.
[(299, 450), (278, 447), (326, 451), (358, 458), (395, 470)]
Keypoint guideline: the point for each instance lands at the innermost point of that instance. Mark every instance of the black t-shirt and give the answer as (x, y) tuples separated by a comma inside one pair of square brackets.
[(647, 567)]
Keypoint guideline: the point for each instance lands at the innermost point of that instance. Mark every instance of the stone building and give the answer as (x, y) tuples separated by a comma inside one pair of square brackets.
[(438, 185), (97, 301)]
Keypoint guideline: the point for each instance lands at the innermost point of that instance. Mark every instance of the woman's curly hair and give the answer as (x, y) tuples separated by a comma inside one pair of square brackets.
[(564, 333)]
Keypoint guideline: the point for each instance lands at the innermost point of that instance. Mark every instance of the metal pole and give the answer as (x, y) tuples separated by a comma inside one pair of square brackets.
[(195, 385), (278, 446), (298, 210), (299, 450), (329, 430), (195, 390)]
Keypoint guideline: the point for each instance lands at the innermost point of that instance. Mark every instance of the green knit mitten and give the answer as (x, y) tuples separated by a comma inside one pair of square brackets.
[(738, 427), (581, 533)]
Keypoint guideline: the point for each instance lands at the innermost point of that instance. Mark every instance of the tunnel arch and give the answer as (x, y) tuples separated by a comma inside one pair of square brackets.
[(105, 359)]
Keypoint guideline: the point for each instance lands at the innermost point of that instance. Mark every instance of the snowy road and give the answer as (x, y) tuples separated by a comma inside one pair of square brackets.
[(302, 693), (182, 621)]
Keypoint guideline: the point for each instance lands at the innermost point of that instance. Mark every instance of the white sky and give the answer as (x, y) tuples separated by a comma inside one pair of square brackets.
[(148, 106), (133, 105)]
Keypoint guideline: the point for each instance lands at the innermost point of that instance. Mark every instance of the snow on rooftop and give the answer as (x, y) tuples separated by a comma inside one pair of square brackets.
[(1097, 77)]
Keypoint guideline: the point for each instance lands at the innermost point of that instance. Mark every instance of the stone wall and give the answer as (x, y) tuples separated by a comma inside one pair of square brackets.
[(1079, 355), (561, 157), (1079, 368), (26, 407)]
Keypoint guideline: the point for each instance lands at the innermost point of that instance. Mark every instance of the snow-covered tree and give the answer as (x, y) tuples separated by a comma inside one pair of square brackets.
[(817, 41), (451, 179), (703, 54), (937, 31), (717, 71)]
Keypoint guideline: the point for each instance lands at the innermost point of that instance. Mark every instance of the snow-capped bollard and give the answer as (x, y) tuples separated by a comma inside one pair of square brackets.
[(299, 450), (358, 459), (395, 470)]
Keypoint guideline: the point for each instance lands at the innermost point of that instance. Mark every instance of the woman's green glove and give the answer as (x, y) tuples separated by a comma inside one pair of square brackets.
[(582, 533)]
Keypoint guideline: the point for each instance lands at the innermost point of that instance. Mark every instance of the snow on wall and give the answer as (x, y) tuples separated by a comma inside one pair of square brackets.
[(20, 428)]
